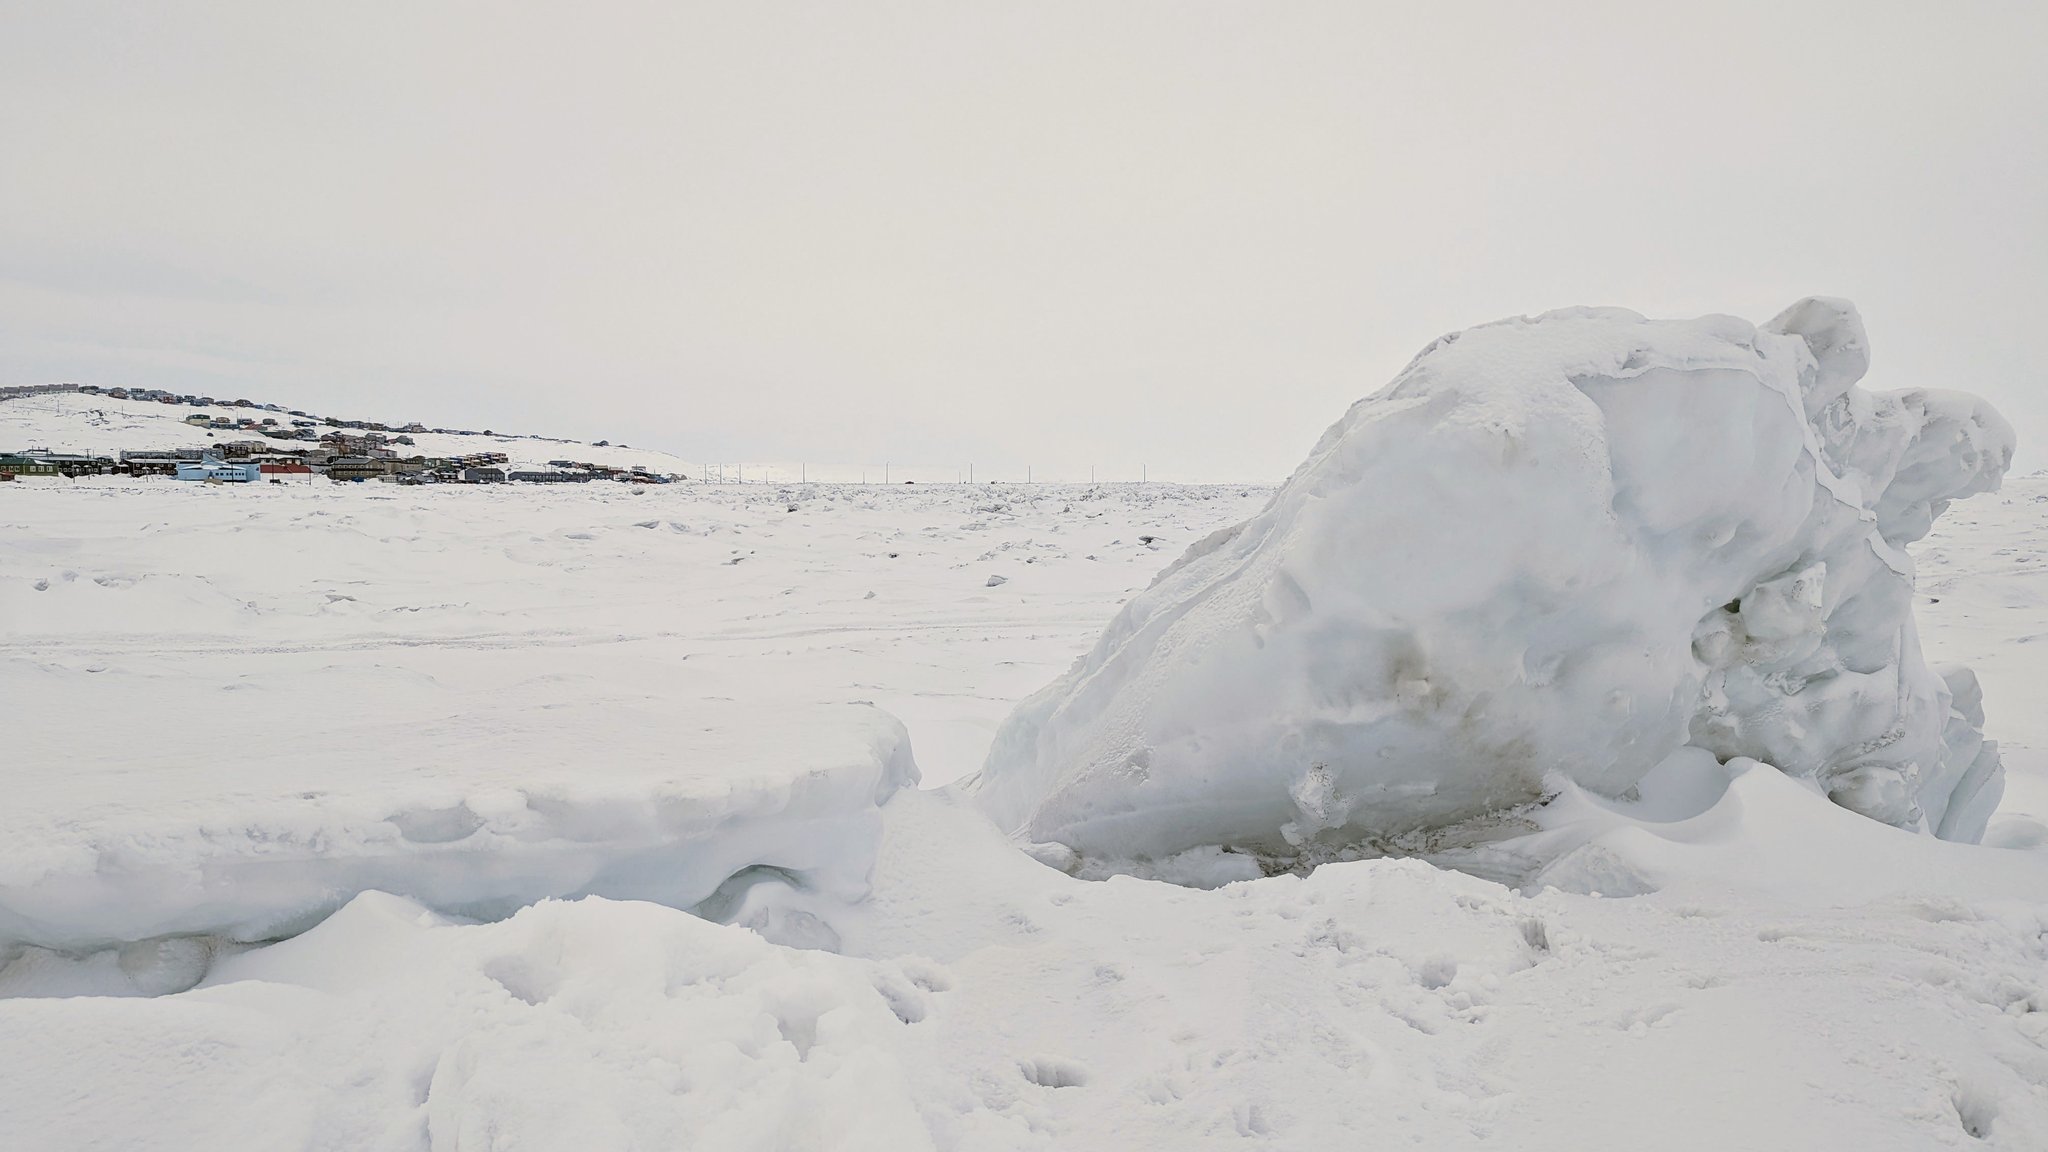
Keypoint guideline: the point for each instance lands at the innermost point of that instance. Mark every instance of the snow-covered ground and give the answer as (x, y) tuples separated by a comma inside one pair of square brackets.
[(227, 712)]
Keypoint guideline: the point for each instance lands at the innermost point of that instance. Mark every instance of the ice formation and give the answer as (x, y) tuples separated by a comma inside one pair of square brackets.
[(1554, 548), (762, 804)]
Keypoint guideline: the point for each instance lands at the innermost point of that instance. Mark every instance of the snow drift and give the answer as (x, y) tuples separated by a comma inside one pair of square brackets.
[(754, 815), (1555, 547)]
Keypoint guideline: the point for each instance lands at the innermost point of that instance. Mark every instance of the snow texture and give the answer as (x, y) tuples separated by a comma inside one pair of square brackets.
[(1555, 550)]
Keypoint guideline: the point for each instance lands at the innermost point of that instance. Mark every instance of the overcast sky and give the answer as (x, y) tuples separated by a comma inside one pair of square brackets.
[(1181, 234)]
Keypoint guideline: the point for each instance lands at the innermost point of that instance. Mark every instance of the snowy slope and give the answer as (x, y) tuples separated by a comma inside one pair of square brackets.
[(1742, 967)]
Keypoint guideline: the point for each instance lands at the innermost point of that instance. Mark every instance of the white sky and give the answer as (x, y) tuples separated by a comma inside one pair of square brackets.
[(1183, 234)]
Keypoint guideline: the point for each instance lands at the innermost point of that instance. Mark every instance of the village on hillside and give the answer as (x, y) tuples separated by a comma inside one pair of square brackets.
[(290, 444)]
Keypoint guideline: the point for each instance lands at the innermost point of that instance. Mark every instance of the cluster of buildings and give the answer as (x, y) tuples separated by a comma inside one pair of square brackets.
[(581, 472), (290, 444), (238, 461), (338, 457), (13, 390)]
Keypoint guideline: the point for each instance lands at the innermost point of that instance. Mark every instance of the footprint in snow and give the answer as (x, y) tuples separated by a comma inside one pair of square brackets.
[(1054, 1072)]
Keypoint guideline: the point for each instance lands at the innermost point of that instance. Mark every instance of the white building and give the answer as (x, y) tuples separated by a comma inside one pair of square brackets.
[(241, 472)]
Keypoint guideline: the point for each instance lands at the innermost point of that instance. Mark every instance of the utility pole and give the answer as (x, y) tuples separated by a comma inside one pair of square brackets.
[(970, 473)]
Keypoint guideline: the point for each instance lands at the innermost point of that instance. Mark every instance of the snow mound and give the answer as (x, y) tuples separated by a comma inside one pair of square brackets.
[(589, 1024), (759, 812), (1555, 550)]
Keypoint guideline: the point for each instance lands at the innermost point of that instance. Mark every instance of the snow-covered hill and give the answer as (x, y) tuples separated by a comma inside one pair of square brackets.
[(227, 710), (101, 424)]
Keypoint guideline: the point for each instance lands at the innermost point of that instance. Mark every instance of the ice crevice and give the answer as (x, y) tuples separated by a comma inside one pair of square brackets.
[(1553, 553)]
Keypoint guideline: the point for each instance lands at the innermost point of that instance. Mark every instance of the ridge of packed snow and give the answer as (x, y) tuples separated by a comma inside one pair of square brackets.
[(183, 845)]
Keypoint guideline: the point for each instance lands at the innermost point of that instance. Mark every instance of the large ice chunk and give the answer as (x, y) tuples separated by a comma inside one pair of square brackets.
[(1567, 544)]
